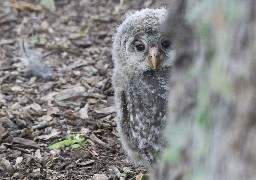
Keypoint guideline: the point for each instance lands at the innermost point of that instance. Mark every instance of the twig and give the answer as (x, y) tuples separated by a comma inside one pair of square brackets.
[(8, 68)]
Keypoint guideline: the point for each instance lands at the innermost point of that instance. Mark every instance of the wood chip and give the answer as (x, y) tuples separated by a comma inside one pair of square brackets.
[(86, 163), (18, 161), (38, 154), (70, 93), (100, 177), (54, 133), (95, 95), (94, 138), (106, 111), (17, 88), (7, 165), (47, 86), (84, 112), (45, 118), (26, 143), (36, 107), (26, 6)]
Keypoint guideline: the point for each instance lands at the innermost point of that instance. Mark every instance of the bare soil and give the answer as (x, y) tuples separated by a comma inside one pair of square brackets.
[(64, 88)]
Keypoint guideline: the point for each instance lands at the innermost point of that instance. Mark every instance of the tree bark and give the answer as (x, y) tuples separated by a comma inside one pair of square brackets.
[(212, 104)]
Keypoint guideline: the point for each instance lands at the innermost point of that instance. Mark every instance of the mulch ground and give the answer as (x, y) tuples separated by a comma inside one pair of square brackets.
[(55, 84)]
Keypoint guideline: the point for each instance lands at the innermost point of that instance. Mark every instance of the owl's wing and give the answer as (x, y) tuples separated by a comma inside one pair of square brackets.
[(124, 107), (122, 112)]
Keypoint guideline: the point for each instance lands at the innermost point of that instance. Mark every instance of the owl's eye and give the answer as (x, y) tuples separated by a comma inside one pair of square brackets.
[(140, 47), (166, 43)]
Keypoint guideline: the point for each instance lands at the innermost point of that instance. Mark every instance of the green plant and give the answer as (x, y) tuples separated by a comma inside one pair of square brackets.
[(73, 140)]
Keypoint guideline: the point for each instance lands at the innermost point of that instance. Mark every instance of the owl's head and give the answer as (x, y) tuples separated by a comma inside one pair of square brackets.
[(139, 45)]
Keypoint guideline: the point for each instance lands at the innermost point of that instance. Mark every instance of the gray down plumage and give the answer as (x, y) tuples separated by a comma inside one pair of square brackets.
[(140, 91)]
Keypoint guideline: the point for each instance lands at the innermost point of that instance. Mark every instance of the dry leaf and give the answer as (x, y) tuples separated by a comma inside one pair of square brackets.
[(70, 113)]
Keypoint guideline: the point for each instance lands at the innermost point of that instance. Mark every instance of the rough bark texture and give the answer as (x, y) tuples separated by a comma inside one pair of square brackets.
[(212, 104)]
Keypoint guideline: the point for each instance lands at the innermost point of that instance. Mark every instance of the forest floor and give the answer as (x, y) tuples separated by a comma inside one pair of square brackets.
[(55, 88)]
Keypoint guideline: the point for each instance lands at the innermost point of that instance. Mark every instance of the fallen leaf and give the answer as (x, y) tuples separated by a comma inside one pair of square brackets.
[(70, 113)]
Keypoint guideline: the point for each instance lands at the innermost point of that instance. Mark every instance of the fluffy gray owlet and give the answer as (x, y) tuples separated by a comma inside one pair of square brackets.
[(142, 58)]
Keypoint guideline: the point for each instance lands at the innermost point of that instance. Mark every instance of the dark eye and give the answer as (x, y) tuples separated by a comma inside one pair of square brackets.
[(166, 43), (140, 47)]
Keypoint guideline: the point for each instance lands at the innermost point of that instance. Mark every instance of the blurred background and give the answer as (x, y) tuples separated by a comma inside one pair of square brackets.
[(55, 87)]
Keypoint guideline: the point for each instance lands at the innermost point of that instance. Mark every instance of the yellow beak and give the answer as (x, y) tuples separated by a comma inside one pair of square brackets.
[(153, 53), (154, 62)]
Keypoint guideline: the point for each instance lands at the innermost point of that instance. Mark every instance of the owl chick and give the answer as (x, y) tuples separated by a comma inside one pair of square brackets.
[(142, 58)]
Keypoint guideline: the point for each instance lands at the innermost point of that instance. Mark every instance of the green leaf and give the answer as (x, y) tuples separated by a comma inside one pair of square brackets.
[(75, 146), (57, 145), (126, 170), (73, 140), (49, 4), (68, 142)]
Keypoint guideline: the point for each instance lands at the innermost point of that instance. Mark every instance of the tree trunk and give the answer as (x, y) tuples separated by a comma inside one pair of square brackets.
[(212, 104)]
